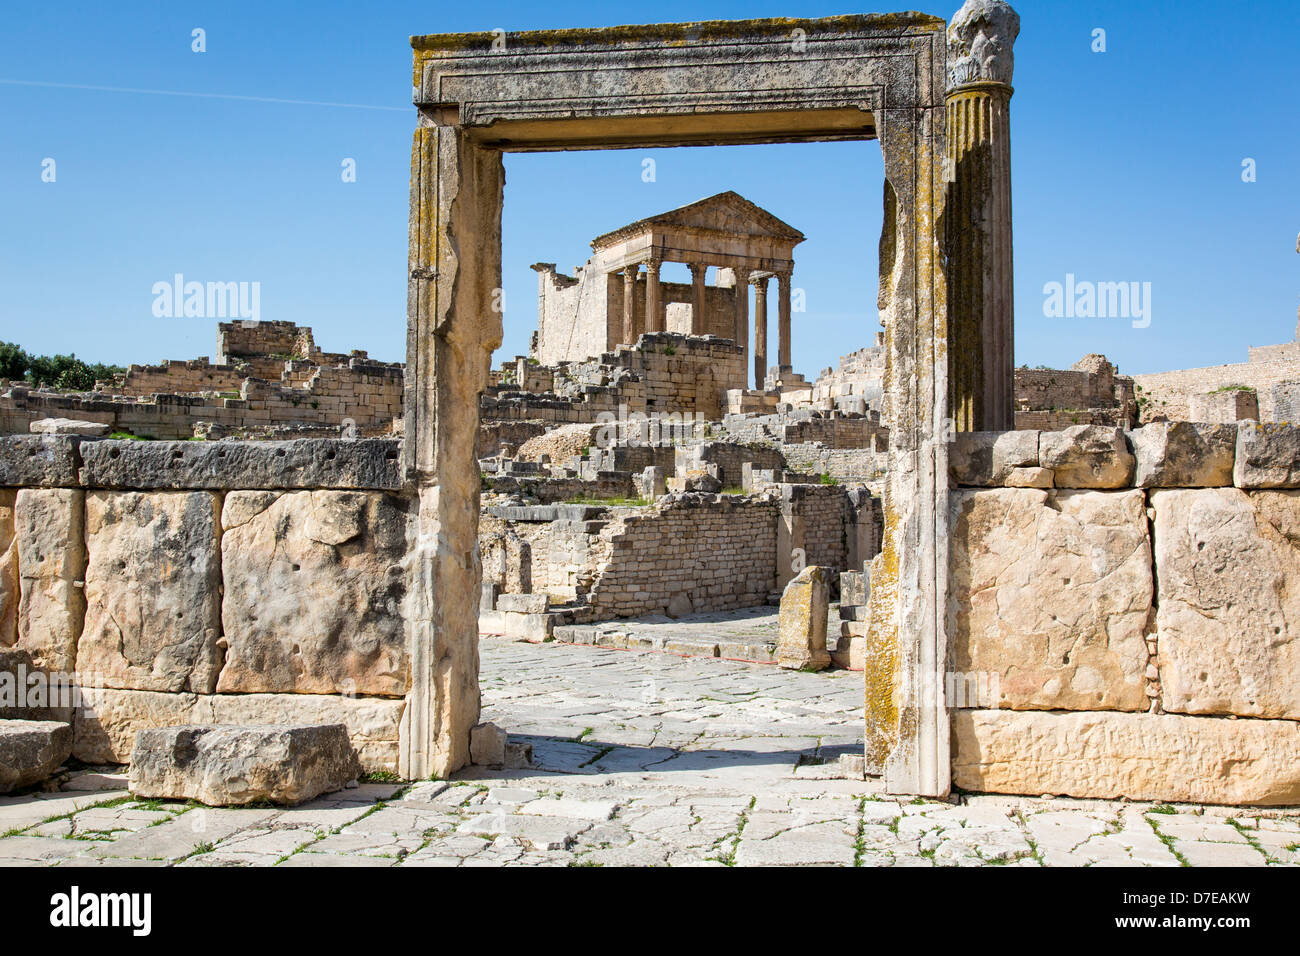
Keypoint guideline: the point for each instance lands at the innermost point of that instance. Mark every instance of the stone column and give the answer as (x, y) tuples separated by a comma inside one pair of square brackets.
[(698, 273), (629, 302), (654, 300), (760, 330), (783, 320), (742, 313), (977, 214), (452, 329)]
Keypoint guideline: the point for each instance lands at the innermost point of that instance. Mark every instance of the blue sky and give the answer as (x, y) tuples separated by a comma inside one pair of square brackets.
[(1127, 166)]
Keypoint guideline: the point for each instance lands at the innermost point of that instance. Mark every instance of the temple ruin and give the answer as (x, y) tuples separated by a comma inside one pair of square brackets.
[(1115, 583)]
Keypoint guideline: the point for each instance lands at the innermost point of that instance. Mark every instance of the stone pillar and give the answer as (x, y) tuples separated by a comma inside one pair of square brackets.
[(742, 313), (760, 330), (452, 329), (654, 300), (698, 272), (783, 320), (977, 214), (629, 302)]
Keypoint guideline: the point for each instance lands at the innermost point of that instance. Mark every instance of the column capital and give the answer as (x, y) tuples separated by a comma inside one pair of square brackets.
[(980, 37)]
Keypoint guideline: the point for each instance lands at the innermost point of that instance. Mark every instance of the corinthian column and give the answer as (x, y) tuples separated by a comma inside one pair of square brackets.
[(977, 216), (654, 309), (629, 302), (760, 329)]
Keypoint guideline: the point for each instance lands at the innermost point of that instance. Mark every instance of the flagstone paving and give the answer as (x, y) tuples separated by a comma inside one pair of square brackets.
[(642, 759)]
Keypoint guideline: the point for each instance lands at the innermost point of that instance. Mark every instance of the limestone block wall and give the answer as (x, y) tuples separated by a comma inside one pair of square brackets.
[(368, 394), (690, 553), (1125, 613), (184, 582), (1166, 395)]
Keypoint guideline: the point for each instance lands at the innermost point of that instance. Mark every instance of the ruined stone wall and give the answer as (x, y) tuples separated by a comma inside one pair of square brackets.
[(727, 457), (572, 315), (841, 464), (1167, 395), (368, 394), (282, 340), (185, 582), (688, 553), (1126, 613), (859, 376)]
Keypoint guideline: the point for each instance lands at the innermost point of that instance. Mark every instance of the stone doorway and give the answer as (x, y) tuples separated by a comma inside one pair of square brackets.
[(841, 78)]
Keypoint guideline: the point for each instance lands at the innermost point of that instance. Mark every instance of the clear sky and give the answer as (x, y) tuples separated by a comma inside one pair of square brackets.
[(1127, 166)]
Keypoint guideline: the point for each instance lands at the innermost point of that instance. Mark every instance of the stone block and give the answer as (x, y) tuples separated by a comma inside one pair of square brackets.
[(68, 426), (1224, 405), (49, 528), (229, 766), (986, 458), (8, 569), (153, 591), (1183, 455), (1166, 757), (314, 587), (487, 745), (369, 463), (801, 622), (522, 603), (1030, 478), (38, 461), (1268, 456), (31, 750), (527, 627), (27, 692), (854, 588), (1052, 592), (1228, 619), (1087, 456)]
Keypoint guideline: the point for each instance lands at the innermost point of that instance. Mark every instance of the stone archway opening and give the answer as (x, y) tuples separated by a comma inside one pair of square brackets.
[(842, 78)]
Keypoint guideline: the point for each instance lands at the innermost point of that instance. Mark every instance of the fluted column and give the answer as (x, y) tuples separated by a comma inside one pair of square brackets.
[(742, 312), (629, 302), (654, 308), (698, 272), (783, 320), (760, 330), (977, 216)]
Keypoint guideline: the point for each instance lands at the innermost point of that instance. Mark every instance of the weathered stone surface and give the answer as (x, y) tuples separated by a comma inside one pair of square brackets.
[(1052, 591), (314, 585), (8, 569), (805, 604), (487, 745), (38, 461), (985, 459), (153, 591), (1086, 456), (105, 729), (1268, 456), (303, 463), (522, 603), (1030, 478), (373, 722), (49, 526), (68, 426), (31, 750), (28, 693), (1138, 756), (1228, 621), (229, 766), (1183, 455)]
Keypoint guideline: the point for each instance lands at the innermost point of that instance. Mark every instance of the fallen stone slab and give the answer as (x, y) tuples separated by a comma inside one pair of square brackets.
[(31, 750), (802, 621), (229, 766), (68, 426)]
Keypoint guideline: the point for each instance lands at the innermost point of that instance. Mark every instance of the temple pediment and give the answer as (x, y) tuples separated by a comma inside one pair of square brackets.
[(727, 213)]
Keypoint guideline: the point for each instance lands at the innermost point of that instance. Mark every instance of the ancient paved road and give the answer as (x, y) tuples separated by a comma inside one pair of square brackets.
[(644, 758)]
